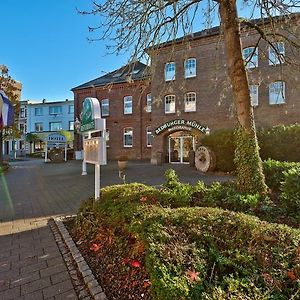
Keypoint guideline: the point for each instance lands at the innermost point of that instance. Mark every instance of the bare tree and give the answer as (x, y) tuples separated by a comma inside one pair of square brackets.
[(138, 24)]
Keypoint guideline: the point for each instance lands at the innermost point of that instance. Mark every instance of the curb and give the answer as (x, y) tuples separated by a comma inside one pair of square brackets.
[(69, 250)]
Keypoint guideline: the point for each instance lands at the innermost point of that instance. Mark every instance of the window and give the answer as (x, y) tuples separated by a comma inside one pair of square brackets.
[(71, 109), (276, 53), (190, 102), (149, 136), (38, 127), (23, 112), (170, 104), (22, 128), (253, 89), (105, 107), (55, 110), (170, 71), (127, 142), (38, 111), (277, 92), (71, 125), (55, 126), (127, 105), (250, 56), (190, 67), (149, 103)]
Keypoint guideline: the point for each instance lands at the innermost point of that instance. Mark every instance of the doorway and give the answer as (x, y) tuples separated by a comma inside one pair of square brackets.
[(179, 148)]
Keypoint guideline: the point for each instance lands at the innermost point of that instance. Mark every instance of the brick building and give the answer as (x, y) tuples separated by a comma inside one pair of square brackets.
[(191, 95), (125, 98)]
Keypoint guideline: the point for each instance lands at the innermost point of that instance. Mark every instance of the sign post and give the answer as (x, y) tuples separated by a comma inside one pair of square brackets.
[(94, 149)]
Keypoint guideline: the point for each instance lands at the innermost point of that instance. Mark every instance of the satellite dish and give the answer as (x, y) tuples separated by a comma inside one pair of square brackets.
[(205, 159)]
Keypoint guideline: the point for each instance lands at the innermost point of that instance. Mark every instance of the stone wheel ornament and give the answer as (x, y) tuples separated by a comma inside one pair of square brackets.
[(205, 159), (56, 155)]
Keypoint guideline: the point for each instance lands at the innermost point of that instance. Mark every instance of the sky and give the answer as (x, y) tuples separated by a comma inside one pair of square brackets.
[(44, 44)]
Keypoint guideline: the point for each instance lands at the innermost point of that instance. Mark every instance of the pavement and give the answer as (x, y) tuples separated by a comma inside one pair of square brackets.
[(32, 192)]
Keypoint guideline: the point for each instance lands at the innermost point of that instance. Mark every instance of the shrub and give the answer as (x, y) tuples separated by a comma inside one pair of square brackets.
[(290, 190), (222, 144), (274, 170)]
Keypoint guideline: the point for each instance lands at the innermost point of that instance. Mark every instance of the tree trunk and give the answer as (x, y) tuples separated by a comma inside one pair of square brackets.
[(1, 147), (250, 177)]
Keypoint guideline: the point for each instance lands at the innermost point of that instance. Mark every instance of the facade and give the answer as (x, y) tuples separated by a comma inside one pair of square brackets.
[(125, 99), (190, 93), (45, 117)]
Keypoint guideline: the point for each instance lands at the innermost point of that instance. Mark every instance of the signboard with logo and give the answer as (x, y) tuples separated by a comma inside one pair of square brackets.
[(181, 124), (91, 115)]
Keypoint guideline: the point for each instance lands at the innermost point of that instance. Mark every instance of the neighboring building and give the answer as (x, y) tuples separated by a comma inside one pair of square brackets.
[(189, 82), (45, 117), (126, 105)]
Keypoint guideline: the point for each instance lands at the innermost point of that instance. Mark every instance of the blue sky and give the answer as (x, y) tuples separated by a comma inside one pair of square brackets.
[(45, 46)]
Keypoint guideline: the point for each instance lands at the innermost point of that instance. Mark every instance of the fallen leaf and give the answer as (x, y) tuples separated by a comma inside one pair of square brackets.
[(95, 247), (192, 275), (135, 263), (146, 283), (291, 275)]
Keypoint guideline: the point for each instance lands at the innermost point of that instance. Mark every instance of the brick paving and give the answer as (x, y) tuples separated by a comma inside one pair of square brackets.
[(31, 265)]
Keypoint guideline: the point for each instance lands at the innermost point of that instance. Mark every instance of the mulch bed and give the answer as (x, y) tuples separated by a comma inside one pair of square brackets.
[(117, 261)]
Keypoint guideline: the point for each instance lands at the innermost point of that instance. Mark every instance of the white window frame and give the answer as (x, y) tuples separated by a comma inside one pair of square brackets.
[(190, 67), (274, 57), (55, 110), (149, 136), (127, 131), (188, 98), (71, 125), (168, 105), (105, 104), (170, 71), (253, 91), (40, 126), (38, 111), (58, 122), (148, 103), (253, 62), (71, 109), (127, 100), (277, 93)]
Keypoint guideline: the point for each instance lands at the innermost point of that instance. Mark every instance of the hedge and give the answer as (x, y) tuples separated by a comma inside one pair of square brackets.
[(200, 252)]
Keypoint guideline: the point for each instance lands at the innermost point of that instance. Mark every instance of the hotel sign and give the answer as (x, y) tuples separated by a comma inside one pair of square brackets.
[(90, 112), (181, 124)]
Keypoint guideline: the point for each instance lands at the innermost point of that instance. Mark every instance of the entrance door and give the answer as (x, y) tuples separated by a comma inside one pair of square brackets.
[(179, 148)]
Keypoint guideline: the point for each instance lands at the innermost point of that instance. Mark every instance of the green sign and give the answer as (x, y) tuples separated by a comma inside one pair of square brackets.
[(88, 116), (180, 124)]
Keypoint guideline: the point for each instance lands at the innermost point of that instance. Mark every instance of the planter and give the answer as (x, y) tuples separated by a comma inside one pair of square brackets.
[(122, 164)]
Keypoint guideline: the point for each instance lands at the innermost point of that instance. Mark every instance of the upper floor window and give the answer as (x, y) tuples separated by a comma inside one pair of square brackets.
[(71, 109), (190, 102), (127, 105), (169, 104), (250, 56), (38, 127), (170, 71), (149, 103), (105, 107), (55, 126), (55, 110), (128, 137), (23, 112), (38, 111), (276, 53), (253, 89), (277, 92), (190, 67), (149, 136), (71, 125), (22, 128)]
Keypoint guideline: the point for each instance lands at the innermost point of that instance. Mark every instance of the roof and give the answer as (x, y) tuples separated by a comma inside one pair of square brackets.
[(133, 71), (216, 30)]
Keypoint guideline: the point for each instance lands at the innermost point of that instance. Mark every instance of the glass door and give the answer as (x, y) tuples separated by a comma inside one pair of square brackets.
[(179, 148)]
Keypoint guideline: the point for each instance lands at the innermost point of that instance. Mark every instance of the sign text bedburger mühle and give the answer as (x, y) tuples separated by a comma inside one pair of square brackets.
[(94, 149)]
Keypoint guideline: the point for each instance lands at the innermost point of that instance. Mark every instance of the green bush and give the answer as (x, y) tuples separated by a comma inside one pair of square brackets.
[(274, 172), (290, 190), (222, 144)]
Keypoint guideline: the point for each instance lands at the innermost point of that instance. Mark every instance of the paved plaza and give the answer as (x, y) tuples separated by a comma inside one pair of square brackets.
[(31, 192)]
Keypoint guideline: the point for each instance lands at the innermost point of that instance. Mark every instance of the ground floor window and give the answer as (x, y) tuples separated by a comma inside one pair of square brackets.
[(128, 137)]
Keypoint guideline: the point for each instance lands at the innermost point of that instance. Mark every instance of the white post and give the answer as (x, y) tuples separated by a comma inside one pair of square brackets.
[(84, 172), (66, 152), (97, 181), (46, 151)]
